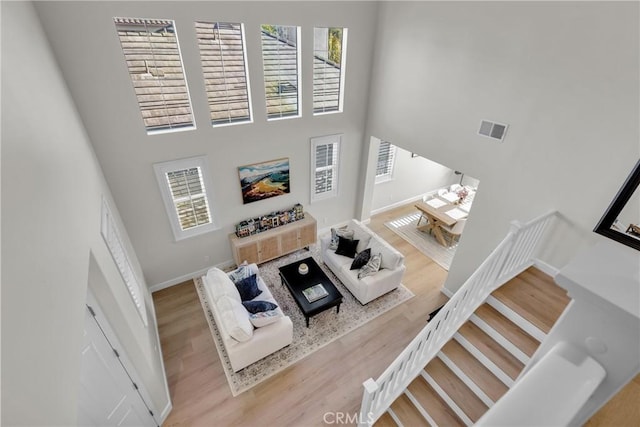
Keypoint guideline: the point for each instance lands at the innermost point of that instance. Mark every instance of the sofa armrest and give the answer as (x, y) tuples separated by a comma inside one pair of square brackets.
[(324, 243)]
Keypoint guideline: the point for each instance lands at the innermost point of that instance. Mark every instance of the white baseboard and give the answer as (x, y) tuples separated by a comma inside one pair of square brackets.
[(546, 268), (185, 277), (447, 292), (397, 204), (165, 412)]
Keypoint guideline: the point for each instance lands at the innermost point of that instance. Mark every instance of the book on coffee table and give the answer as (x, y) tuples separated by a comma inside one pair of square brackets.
[(315, 292)]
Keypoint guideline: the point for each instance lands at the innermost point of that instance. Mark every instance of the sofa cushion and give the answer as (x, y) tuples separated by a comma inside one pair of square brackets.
[(362, 234), (335, 232), (248, 288), (235, 319), (265, 318), (259, 306), (361, 259), (242, 272), (372, 266), (347, 247), (391, 258), (220, 284)]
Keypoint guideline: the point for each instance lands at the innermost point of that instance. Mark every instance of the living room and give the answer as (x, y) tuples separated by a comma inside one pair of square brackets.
[(420, 74)]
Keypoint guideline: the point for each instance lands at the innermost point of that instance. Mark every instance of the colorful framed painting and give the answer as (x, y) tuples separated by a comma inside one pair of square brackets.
[(261, 181)]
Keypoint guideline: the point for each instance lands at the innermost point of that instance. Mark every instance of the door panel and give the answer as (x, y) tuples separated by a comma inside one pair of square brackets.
[(107, 396)]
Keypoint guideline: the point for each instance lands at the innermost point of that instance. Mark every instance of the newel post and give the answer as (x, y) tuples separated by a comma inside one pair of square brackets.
[(365, 418)]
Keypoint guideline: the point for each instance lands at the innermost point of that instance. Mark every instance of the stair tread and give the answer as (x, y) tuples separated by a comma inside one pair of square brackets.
[(456, 389), (407, 413), (431, 402), (475, 370), (491, 349), (505, 327), (534, 296), (385, 421)]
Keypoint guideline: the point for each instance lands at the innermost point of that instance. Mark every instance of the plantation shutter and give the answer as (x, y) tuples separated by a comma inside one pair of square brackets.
[(280, 63), (189, 197), (327, 69), (152, 54), (386, 154), (111, 237), (225, 74), (324, 157)]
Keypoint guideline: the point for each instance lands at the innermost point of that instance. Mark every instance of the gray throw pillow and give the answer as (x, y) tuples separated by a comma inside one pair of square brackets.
[(371, 267), (339, 232)]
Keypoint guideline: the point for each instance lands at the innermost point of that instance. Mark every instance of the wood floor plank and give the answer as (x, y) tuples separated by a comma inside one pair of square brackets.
[(407, 412), (328, 380), (505, 327), (456, 389), (433, 404), (476, 371), (492, 350)]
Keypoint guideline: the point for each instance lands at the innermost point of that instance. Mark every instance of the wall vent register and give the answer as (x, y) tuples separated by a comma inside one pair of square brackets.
[(493, 130)]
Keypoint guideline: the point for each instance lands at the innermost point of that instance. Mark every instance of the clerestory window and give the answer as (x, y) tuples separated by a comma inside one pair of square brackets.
[(152, 55), (224, 64), (329, 60), (280, 60)]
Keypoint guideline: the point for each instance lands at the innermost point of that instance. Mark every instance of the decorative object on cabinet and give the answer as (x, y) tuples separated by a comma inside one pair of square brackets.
[(252, 226), (261, 181), (275, 242)]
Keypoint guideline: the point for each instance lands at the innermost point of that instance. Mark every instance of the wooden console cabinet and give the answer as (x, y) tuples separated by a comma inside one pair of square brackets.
[(274, 243)]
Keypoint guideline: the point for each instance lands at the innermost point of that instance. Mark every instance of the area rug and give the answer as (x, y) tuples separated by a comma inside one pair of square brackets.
[(324, 328), (406, 227)]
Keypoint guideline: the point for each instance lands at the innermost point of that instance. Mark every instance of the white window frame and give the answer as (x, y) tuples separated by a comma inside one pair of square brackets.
[(388, 175), (335, 140), (343, 70), (167, 129), (246, 75), (299, 74), (111, 236), (161, 170)]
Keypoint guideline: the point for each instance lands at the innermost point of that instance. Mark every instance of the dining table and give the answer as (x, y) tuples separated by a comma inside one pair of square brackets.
[(439, 212)]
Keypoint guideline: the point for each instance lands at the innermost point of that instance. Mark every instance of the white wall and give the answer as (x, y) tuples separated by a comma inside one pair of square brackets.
[(412, 177), (52, 187), (563, 75), (100, 86)]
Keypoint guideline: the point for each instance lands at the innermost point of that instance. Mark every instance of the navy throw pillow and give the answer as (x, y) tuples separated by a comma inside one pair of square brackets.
[(259, 306), (347, 247), (248, 288), (361, 259)]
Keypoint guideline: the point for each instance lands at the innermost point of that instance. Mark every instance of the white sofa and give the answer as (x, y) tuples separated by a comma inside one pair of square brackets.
[(371, 287), (245, 343)]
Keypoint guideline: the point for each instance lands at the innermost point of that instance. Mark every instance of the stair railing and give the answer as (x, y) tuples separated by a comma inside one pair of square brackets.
[(512, 256)]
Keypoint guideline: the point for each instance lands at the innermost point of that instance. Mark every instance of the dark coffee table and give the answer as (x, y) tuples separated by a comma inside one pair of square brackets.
[(296, 283)]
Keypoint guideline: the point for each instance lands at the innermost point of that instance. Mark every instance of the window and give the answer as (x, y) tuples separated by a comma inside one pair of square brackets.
[(386, 156), (280, 53), (325, 152), (183, 184), (111, 237), (329, 54), (224, 64), (152, 54)]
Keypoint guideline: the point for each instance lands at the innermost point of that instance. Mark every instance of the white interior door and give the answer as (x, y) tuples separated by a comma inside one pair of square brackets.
[(107, 396)]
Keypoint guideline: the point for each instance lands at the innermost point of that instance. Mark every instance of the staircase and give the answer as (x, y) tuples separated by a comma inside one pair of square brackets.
[(484, 357)]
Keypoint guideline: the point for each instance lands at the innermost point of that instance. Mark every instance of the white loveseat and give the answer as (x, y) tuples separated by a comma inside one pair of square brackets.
[(245, 343), (370, 287)]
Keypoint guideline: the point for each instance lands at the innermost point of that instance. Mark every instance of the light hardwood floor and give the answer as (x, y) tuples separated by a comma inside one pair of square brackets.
[(328, 381), (318, 388)]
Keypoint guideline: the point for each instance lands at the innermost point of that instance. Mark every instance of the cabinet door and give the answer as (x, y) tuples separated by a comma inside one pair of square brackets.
[(269, 248), (289, 241), (308, 235), (248, 252)]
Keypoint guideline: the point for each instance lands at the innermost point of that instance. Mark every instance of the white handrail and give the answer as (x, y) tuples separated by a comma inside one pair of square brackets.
[(512, 256)]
